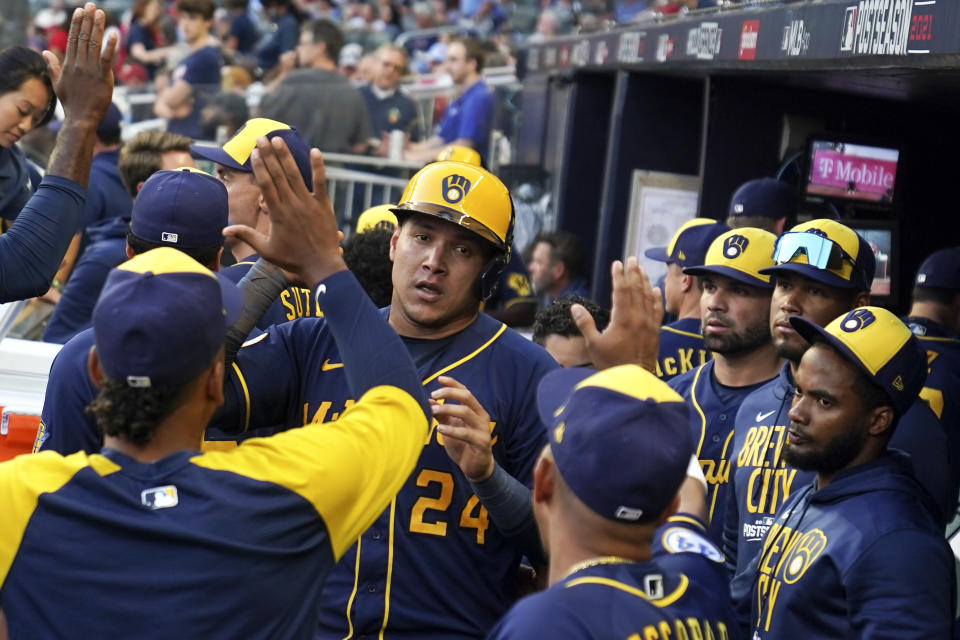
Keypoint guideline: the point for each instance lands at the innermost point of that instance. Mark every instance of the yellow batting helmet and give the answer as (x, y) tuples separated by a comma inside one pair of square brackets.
[(459, 153), (469, 196)]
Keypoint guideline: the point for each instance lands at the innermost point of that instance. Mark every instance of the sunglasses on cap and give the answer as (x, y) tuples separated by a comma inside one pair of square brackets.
[(821, 252)]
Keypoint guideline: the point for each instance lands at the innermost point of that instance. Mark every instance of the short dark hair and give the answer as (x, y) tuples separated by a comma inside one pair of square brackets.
[(474, 50), (206, 256), (931, 294), (556, 320), (19, 64), (565, 247), (109, 137), (327, 32), (142, 157), (133, 413), (202, 8), (367, 255)]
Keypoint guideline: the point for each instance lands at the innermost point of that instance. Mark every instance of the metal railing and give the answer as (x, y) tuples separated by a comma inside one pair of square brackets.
[(353, 192)]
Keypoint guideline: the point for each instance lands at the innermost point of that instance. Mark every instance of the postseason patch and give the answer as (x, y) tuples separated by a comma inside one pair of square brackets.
[(681, 540)]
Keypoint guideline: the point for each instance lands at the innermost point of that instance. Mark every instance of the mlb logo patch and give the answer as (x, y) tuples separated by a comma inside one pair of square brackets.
[(166, 236), (160, 497)]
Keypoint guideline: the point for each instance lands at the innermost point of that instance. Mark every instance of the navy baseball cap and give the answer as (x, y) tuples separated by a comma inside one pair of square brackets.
[(880, 345), (690, 243), (764, 198), (184, 208), (827, 252), (941, 270), (235, 152), (110, 122), (620, 439), (740, 254), (161, 318)]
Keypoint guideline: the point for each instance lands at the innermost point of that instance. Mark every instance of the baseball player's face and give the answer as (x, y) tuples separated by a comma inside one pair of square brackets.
[(568, 351), (673, 288), (243, 196), (541, 268), (435, 269), (734, 317), (795, 295), (829, 426)]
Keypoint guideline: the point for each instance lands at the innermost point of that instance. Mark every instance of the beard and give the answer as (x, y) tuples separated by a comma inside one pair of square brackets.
[(790, 349), (830, 458), (737, 342)]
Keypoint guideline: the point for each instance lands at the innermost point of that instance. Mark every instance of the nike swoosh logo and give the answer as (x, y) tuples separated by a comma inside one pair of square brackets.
[(328, 366), (760, 416), (321, 289)]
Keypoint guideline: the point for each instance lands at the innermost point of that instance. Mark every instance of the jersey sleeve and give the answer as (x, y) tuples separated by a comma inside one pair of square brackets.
[(74, 311), (31, 250), (903, 586), (349, 470), (65, 428)]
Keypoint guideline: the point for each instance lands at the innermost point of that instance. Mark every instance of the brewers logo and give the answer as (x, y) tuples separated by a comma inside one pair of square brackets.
[(734, 246), (857, 319), (454, 187)]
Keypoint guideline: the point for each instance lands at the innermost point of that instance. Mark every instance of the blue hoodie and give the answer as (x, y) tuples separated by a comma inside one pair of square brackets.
[(861, 557), (760, 481), (107, 249)]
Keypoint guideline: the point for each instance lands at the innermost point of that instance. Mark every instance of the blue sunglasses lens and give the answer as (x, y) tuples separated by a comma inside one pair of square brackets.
[(821, 252)]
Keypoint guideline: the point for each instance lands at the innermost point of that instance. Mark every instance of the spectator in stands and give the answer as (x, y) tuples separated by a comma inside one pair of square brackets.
[(547, 25), (242, 36), (26, 101), (282, 37), (197, 77), (223, 115), (469, 117), (139, 159), (317, 100), (389, 107), (142, 37), (349, 60), (765, 203), (555, 331), (556, 267)]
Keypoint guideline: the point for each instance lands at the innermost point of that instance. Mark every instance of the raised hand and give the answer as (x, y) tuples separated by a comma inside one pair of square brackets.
[(633, 335), (465, 428), (84, 82), (304, 239)]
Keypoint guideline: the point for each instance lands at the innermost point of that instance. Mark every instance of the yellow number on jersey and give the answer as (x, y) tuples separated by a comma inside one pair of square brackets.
[(480, 522), (440, 503)]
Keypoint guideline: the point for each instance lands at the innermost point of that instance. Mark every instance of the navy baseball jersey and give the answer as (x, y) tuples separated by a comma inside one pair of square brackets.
[(681, 348), (293, 302), (433, 564), (859, 558), (227, 544), (942, 388), (762, 481), (711, 426), (513, 285), (679, 593)]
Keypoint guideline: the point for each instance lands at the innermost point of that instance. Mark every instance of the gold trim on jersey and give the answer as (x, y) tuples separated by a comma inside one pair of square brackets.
[(386, 596), (696, 405), (665, 601), (681, 333), (246, 397)]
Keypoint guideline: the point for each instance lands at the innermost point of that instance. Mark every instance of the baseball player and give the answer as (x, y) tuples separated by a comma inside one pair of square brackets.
[(855, 553), (439, 562), (823, 269), (613, 572), (764, 203), (735, 312), (934, 320), (555, 331), (183, 209), (681, 345), (162, 541), (247, 206)]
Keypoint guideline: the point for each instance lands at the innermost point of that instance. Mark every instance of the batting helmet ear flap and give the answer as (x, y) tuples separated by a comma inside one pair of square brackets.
[(490, 276)]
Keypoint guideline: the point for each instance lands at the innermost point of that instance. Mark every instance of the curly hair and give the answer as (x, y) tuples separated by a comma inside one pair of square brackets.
[(367, 254), (133, 413), (556, 320)]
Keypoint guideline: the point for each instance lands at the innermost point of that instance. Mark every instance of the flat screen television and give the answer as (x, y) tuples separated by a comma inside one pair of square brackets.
[(851, 172), (883, 236)]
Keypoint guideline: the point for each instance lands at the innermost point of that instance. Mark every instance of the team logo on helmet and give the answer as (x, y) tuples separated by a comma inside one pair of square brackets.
[(734, 246), (857, 319), (818, 232), (454, 187)]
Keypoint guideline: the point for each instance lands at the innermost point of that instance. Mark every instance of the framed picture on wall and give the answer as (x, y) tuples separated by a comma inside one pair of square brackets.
[(659, 204)]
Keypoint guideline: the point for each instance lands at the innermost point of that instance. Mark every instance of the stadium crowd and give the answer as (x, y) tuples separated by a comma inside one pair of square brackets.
[(256, 427)]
